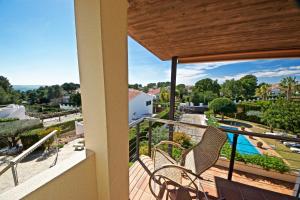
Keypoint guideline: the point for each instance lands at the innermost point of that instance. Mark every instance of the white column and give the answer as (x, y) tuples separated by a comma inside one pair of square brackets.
[(101, 27)]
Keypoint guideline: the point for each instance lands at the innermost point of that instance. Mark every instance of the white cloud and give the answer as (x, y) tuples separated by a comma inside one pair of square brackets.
[(189, 73), (287, 71)]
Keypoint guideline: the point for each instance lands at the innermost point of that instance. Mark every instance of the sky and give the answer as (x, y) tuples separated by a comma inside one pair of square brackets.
[(38, 47)]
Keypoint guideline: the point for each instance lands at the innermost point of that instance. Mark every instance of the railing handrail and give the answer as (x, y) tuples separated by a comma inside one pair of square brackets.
[(276, 137), (25, 153), (32, 148), (136, 122)]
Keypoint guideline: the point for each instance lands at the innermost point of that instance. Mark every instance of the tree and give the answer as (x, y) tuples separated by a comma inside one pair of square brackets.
[(203, 97), (151, 85), (181, 90), (3, 96), (69, 87), (289, 85), (249, 84), (262, 91), (207, 84), (164, 95), (135, 86), (5, 84), (222, 106), (76, 99), (163, 84), (283, 114), (231, 89)]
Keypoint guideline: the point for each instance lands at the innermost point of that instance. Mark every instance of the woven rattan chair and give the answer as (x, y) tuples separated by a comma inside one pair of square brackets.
[(181, 175)]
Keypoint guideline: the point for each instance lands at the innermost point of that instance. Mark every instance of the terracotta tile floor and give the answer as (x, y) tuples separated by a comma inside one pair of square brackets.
[(214, 178)]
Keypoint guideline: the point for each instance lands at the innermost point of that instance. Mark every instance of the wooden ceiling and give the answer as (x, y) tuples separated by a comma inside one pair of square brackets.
[(213, 30)]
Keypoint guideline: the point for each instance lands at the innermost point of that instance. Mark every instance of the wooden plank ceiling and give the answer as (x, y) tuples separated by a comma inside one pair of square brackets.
[(212, 30)]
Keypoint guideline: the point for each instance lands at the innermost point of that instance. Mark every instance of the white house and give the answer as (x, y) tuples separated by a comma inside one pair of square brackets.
[(140, 104), (275, 89), (13, 111)]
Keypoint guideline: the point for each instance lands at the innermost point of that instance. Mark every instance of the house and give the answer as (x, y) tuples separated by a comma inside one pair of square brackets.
[(155, 92), (13, 111), (275, 89), (140, 104)]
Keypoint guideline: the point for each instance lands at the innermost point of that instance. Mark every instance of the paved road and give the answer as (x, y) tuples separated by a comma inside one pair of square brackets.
[(195, 133), (57, 120)]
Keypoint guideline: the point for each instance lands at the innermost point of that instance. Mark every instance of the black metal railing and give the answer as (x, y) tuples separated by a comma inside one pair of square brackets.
[(135, 142)]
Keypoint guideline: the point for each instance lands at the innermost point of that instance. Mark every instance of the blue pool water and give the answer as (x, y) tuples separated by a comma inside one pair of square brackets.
[(244, 146)]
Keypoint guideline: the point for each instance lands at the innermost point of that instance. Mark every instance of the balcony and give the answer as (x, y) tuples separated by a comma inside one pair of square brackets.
[(228, 179)]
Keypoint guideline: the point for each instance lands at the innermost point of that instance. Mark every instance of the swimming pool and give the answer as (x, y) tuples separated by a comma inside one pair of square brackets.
[(244, 146)]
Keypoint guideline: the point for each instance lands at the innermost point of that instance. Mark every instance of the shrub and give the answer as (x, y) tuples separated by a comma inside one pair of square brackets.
[(31, 137), (8, 119), (183, 139), (265, 161), (13, 128), (259, 144), (65, 126), (159, 133), (222, 106)]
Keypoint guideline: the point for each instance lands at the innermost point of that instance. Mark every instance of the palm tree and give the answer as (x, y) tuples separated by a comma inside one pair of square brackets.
[(289, 85), (262, 91)]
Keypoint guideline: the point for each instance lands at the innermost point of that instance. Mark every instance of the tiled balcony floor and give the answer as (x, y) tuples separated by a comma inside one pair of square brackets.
[(214, 183)]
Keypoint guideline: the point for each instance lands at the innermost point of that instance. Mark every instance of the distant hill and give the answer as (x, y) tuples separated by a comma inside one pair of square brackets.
[(25, 88)]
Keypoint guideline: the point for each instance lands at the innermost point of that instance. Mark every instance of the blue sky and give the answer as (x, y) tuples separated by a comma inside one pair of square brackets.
[(38, 47)]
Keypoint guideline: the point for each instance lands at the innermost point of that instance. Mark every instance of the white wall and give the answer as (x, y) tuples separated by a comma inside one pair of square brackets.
[(13, 111), (79, 128), (138, 108)]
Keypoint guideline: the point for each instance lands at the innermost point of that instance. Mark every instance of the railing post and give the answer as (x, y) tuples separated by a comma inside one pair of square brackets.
[(149, 138), (137, 141), (15, 175), (232, 157)]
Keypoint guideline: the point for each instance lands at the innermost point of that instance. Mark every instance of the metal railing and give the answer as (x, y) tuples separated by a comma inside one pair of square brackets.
[(236, 134), (14, 162)]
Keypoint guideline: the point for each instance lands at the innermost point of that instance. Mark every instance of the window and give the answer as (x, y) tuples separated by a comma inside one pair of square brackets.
[(148, 103)]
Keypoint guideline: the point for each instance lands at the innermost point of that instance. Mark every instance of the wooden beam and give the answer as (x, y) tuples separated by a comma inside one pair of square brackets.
[(293, 53), (172, 98)]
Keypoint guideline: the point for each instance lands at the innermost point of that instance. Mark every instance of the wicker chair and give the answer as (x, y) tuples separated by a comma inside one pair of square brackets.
[(169, 174)]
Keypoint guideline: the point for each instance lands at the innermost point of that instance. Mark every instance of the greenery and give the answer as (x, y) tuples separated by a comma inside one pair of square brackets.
[(222, 106), (262, 91), (289, 85), (205, 90), (12, 129), (231, 89), (43, 95), (265, 161), (65, 127), (7, 94), (8, 120), (283, 114), (31, 137)]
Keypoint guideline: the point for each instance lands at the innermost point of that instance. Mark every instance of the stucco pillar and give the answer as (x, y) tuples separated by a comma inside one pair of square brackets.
[(101, 27)]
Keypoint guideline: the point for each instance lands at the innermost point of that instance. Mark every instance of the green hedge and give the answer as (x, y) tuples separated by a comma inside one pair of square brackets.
[(13, 128), (265, 161), (8, 119), (66, 126), (31, 137), (245, 107)]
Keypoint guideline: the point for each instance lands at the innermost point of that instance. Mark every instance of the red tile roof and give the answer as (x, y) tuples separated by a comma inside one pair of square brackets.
[(154, 91), (133, 93)]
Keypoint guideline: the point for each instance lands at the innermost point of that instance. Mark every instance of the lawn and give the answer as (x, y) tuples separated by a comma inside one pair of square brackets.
[(285, 152)]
